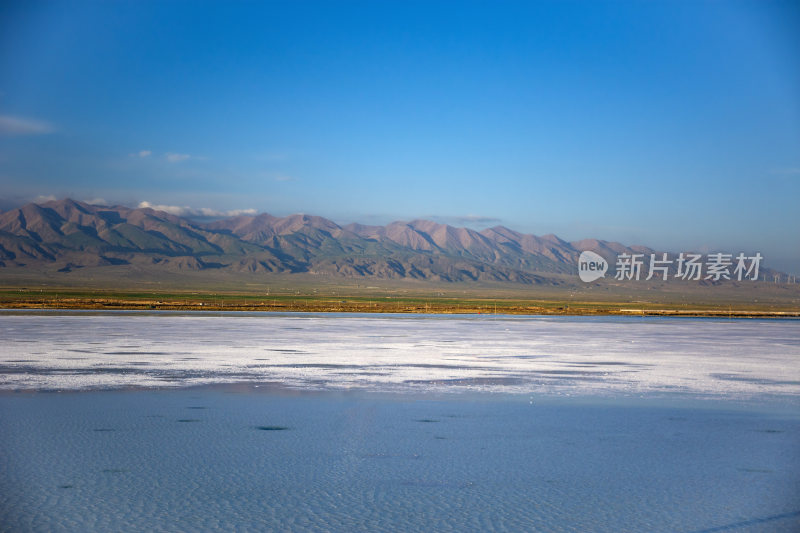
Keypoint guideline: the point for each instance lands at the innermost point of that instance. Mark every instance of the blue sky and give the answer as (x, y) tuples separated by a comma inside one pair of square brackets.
[(673, 124)]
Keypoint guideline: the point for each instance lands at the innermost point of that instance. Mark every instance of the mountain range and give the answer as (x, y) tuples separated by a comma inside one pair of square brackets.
[(68, 235)]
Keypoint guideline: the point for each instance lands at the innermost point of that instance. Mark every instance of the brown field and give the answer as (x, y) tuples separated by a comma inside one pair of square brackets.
[(382, 300)]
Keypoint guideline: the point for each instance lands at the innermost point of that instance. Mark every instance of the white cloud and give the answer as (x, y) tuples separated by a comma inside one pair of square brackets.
[(170, 157), (271, 156), (96, 201), (787, 171), (15, 126), (466, 220), (186, 211), (240, 212), (42, 198), (176, 158)]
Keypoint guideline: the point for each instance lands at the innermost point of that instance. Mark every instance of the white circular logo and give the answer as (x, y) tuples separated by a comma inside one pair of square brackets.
[(591, 266)]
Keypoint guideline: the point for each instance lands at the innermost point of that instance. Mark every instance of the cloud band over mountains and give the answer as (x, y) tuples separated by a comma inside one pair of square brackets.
[(186, 211)]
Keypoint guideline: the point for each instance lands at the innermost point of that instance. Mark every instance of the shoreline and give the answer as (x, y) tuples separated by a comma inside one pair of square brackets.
[(392, 306)]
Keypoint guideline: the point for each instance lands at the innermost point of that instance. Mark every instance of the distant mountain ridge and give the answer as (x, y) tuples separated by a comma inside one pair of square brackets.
[(69, 234)]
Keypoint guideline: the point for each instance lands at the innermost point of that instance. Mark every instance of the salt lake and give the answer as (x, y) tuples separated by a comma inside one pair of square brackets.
[(130, 421)]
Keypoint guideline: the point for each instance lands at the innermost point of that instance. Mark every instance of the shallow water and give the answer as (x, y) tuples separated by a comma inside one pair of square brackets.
[(225, 460)]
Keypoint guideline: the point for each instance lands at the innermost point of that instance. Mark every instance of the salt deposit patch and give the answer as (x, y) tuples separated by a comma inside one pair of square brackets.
[(563, 355)]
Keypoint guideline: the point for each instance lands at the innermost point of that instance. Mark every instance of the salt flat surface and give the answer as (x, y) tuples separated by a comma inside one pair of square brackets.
[(548, 355)]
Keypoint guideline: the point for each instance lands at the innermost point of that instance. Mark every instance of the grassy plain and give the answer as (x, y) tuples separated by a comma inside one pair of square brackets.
[(107, 289)]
